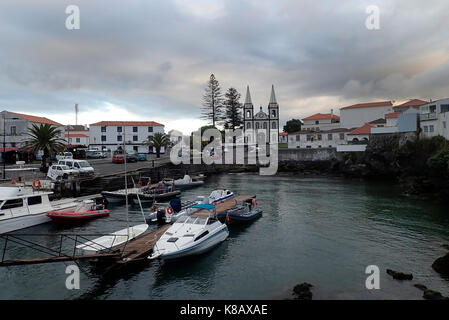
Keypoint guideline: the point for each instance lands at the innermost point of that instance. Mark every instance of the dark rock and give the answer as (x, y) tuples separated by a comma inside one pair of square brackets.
[(441, 265), (420, 287), (433, 295), (302, 291), (399, 275)]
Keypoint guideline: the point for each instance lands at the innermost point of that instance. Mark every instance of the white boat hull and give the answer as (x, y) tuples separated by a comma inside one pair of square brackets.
[(22, 222), (198, 248)]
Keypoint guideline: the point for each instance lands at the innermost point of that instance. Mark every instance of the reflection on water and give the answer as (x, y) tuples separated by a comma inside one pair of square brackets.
[(324, 231)]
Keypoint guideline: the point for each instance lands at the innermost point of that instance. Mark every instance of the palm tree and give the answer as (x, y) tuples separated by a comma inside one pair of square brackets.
[(158, 140), (44, 137)]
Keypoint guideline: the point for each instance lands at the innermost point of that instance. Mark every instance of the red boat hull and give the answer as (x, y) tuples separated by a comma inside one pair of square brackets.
[(64, 216)]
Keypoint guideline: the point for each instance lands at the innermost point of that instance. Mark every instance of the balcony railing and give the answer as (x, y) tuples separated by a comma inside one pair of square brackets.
[(428, 116)]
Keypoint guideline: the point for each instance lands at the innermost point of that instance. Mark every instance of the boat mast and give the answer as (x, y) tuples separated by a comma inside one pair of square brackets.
[(126, 180)]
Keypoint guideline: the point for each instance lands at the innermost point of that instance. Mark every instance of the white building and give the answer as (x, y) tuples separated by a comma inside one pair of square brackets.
[(434, 118), (77, 135), (410, 106), (261, 126), (113, 134), (283, 137), (318, 139), (321, 121), (357, 115)]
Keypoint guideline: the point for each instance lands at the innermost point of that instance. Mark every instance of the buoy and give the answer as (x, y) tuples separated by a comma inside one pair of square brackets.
[(36, 183)]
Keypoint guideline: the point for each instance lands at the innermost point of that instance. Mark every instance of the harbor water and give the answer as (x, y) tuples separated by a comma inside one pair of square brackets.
[(320, 230)]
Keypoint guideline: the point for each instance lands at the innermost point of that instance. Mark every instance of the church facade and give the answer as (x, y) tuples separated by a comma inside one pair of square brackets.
[(261, 127)]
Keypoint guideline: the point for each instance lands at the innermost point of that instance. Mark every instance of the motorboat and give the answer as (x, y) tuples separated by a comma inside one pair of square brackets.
[(220, 195), (187, 182), (190, 236), (88, 209), (161, 191), (242, 212), (113, 240), (170, 212), (24, 207)]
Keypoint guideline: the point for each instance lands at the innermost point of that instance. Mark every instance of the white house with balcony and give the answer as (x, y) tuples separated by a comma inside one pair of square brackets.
[(114, 135), (434, 118), (309, 139), (321, 121), (357, 115)]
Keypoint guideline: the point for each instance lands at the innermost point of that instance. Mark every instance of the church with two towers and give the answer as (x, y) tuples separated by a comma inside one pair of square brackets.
[(261, 127)]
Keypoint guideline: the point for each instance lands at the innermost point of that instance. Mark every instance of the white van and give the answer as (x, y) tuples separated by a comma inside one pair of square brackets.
[(58, 171), (82, 166)]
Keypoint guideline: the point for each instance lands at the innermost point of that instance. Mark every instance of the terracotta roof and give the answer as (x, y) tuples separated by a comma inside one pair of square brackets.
[(336, 130), (76, 127), (365, 129), (76, 135), (369, 105), (378, 121), (413, 103), (36, 119), (393, 115), (283, 133), (322, 116), (127, 123)]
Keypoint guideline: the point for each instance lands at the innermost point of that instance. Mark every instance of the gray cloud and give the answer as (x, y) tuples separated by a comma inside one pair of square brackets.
[(154, 57)]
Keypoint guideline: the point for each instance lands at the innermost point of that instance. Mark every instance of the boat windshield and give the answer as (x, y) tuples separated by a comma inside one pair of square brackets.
[(200, 221), (184, 219)]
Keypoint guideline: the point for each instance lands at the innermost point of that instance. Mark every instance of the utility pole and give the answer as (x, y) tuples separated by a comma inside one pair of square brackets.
[(4, 145)]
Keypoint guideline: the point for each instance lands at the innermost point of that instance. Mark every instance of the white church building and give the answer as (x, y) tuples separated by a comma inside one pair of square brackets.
[(261, 127)]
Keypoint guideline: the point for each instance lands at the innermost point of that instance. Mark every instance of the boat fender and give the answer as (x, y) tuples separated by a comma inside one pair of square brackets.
[(169, 210), (37, 183)]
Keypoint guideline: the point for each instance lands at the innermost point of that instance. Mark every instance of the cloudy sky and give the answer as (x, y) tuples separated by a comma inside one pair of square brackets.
[(150, 60)]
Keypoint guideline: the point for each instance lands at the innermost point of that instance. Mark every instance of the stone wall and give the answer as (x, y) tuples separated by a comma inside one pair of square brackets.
[(318, 154)]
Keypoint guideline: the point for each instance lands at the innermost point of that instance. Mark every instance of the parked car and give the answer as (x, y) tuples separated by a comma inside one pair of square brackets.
[(142, 157), (96, 155), (82, 166), (118, 158), (131, 157), (57, 171), (64, 155)]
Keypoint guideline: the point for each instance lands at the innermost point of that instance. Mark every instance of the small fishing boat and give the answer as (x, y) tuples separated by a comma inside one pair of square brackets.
[(190, 236), (187, 182), (242, 212), (170, 212), (112, 240), (220, 195), (88, 209)]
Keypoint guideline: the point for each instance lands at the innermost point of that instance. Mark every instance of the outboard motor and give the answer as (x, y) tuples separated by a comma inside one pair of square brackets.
[(160, 216)]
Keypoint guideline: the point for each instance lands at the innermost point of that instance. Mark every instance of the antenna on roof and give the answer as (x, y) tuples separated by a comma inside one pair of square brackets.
[(76, 113)]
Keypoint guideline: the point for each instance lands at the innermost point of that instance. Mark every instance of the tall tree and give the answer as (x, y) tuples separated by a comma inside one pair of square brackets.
[(45, 137), (212, 101), (292, 125), (233, 110), (158, 140)]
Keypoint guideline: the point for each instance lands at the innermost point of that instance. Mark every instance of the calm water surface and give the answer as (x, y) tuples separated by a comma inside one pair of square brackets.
[(324, 231)]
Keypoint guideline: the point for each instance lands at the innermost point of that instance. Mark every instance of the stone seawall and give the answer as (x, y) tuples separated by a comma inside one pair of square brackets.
[(318, 154)]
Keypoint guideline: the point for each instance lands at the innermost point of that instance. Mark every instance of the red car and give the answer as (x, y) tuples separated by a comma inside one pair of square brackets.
[(118, 158)]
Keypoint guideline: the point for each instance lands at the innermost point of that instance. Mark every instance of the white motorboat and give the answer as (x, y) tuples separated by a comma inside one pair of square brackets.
[(190, 236), (187, 182), (220, 195), (22, 207), (112, 240)]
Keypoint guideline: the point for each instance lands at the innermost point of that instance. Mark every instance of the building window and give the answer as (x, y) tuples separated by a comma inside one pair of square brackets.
[(319, 137), (426, 129), (342, 136), (309, 137), (257, 125), (70, 140), (119, 129), (329, 136), (317, 122), (13, 144), (103, 138), (134, 129), (134, 138), (248, 125), (264, 125), (78, 140), (298, 137), (13, 130), (431, 128), (444, 108), (119, 138), (273, 125), (248, 114), (150, 129), (103, 129), (273, 113), (444, 124), (308, 147)]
